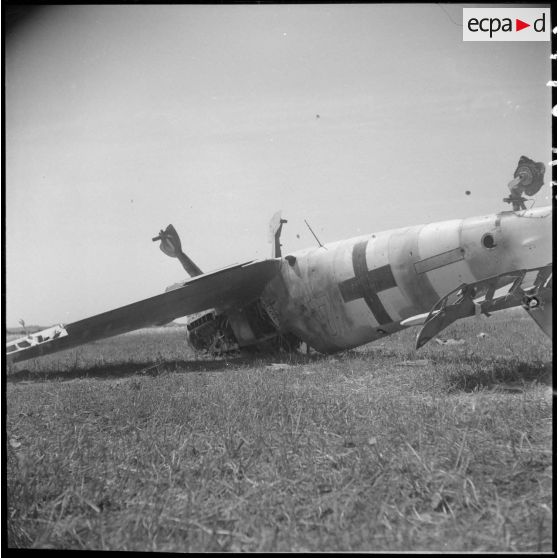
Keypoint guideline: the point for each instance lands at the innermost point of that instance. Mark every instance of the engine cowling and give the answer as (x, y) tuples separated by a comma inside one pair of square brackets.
[(210, 332), (248, 328)]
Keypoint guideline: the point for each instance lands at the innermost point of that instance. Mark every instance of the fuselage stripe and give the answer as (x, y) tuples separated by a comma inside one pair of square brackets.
[(440, 260)]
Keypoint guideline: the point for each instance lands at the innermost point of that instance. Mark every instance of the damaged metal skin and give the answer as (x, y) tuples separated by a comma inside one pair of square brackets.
[(355, 291)]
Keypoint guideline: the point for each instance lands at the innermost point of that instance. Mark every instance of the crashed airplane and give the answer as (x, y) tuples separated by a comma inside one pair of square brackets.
[(341, 295)]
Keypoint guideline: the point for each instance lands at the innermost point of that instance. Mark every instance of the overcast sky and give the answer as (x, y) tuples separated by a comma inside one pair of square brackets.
[(358, 118)]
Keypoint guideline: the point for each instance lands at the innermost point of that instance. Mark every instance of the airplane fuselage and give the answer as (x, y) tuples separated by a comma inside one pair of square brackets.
[(354, 291), (343, 294)]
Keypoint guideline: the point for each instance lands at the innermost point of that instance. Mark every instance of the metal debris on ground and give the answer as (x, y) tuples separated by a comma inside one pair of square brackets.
[(449, 341), (420, 362), (279, 365)]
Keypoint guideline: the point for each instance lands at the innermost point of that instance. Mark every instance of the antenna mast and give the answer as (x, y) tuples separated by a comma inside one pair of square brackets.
[(317, 239)]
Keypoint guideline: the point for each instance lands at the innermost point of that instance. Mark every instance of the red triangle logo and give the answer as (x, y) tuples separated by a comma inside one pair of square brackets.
[(519, 25)]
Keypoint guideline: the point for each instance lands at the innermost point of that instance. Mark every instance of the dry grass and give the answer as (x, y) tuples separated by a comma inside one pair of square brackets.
[(125, 444)]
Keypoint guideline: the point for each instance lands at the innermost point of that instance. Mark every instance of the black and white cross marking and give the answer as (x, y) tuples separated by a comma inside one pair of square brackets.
[(367, 283)]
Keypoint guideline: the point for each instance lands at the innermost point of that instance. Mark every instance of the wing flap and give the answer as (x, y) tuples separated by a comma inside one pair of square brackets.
[(221, 289)]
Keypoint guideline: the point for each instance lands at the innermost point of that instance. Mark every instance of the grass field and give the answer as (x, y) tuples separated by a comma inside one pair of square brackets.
[(135, 444)]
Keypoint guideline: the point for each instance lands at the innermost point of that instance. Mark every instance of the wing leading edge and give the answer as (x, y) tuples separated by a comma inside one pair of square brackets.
[(222, 289)]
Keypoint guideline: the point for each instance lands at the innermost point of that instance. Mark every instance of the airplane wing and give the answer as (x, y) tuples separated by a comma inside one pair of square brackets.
[(530, 288), (222, 289)]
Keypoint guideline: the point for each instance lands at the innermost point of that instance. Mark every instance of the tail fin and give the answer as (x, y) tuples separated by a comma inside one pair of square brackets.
[(543, 317), (539, 307), (172, 247)]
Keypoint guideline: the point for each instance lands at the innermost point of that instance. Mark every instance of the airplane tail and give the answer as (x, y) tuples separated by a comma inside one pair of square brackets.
[(529, 288), (540, 308), (543, 317), (172, 247)]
